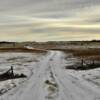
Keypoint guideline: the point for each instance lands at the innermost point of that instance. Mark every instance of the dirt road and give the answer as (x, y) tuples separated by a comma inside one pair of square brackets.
[(51, 81)]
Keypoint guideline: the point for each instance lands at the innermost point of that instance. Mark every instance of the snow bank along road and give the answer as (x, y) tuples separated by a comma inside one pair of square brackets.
[(51, 81)]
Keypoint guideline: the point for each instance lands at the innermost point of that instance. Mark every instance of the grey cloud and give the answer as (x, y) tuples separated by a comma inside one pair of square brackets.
[(12, 13), (93, 21), (46, 8), (67, 30)]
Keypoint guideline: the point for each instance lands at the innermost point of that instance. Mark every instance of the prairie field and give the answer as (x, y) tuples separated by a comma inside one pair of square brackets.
[(54, 71)]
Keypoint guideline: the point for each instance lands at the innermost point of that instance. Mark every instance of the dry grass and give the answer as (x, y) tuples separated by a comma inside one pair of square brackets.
[(90, 53), (87, 58), (22, 49), (85, 52)]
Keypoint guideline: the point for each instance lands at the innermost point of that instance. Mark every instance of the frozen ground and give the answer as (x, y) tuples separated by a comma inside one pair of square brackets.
[(22, 63), (48, 79)]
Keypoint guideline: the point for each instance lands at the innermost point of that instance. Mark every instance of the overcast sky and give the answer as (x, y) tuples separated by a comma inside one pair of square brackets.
[(49, 20)]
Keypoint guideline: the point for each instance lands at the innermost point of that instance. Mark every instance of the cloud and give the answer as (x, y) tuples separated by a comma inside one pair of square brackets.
[(22, 20)]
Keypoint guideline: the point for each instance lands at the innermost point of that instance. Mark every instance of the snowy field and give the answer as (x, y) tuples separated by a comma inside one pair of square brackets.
[(22, 63), (47, 78)]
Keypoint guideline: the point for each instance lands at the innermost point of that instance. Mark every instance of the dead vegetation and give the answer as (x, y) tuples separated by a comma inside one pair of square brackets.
[(52, 89), (84, 66), (84, 52), (51, 83), (9, 74), (88, 58), (22, 49)]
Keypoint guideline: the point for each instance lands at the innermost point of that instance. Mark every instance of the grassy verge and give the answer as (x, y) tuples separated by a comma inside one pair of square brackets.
[(88, 58), (22, 49)]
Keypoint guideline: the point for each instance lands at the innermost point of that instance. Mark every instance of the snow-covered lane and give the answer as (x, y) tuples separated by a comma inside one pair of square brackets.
[(51, 81), (72, 87), (32, 88)]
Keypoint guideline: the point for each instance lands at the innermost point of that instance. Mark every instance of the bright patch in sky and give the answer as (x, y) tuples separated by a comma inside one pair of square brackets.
[(49, 20)]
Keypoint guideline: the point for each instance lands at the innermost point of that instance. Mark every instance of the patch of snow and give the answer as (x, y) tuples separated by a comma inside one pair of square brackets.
[(51, 81)]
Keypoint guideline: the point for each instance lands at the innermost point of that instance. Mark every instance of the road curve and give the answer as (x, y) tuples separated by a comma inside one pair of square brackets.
[(51, 81)]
